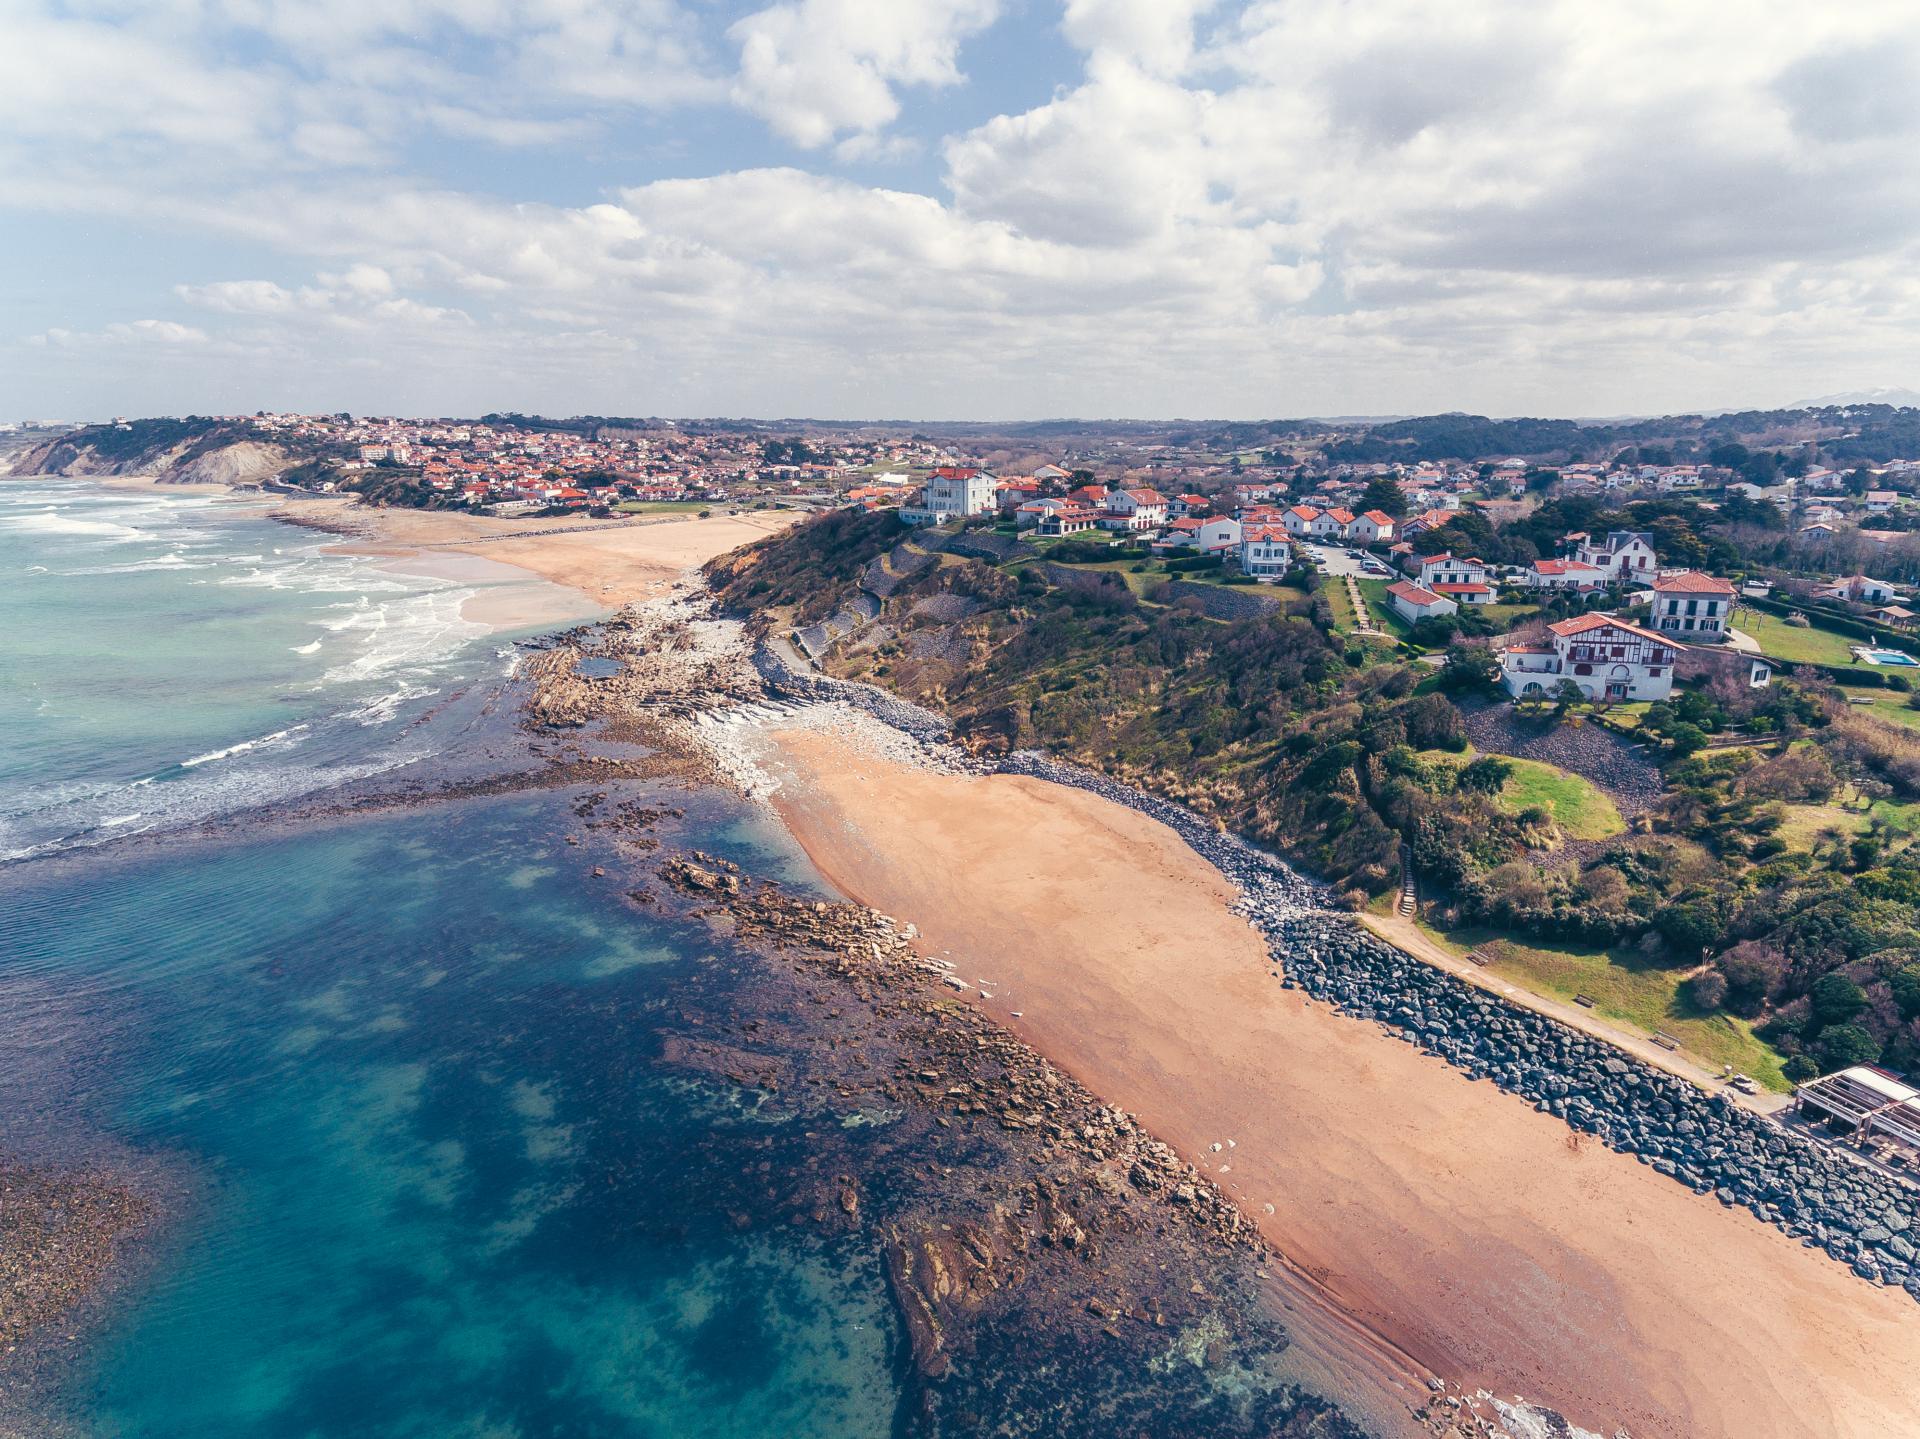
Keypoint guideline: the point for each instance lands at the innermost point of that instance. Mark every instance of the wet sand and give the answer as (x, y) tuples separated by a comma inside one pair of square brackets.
[(611, 562), (1424, 1214)]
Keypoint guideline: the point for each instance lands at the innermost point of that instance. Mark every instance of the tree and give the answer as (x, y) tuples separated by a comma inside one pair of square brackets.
[(1904, 983), (1566, 695), (1707, 990), (1471, 667), (1842, 1045), (1836, 999), (1485, 775), (1689, 928), (1385, 495), (1686, 739), (1799, 1069)]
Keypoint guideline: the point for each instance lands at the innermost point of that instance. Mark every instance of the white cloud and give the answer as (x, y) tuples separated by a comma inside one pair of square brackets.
[(1154, 35), (819, 69), (1282, 207), (128, 332)]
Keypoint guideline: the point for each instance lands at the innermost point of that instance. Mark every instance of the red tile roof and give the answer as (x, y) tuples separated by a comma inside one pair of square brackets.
[(1412, 593), (1692, 582), (1582, 624)]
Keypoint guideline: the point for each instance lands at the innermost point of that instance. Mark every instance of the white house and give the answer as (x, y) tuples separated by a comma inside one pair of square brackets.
[(1414, 604), (1606, 657), (1563, 575), (1431, 570), (1135, 510), (1693, 605), (1372, 528), (1034, 511), (951, 492), (1265, 551), (1180, 506), (1068, 519), (1623, 554), (1331, 524), (1859, 589), (1299, 520), (1217, 535)]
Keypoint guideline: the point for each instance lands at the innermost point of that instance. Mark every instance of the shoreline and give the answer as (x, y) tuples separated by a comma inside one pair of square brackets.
[(1428, 1223), (1472, 1232)]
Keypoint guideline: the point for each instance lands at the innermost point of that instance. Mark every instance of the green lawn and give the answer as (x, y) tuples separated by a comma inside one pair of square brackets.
[(1507, 616), (1628, 990), (1797, 646), (1385, 617), (1344, 619), (1888, 705), (663, 507), (1581, 810)]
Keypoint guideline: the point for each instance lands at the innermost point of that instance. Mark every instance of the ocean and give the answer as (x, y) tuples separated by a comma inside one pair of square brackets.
[(415, 1094)]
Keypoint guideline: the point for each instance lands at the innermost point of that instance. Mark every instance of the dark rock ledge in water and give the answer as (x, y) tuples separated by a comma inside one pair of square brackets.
[(1055, 1269), (61, 1231)]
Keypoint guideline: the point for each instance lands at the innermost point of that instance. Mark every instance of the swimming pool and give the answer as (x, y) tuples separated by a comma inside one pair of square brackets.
[(1885, 657)]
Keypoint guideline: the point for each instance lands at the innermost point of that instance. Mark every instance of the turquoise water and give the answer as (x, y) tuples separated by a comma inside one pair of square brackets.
[(170, 657), (403, 1064), (395, 1077), (447, 1135)]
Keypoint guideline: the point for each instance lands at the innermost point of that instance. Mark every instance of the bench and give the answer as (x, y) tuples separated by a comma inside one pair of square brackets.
[(1583, 1001), (1479, 956), (1665, 1041)]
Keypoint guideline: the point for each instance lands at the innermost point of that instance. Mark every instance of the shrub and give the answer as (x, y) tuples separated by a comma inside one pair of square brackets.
[(1707, 990), (1799, 1069), (1836, 999), (1841, 1045)]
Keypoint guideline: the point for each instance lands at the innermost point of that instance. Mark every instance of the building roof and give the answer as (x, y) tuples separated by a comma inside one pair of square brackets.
[(1463, 589), (1413, 594), (1692, 582), (1583, 624), (1344, 517), (1565, 567), (1305, 512), (1379, 517), (1146, 497)]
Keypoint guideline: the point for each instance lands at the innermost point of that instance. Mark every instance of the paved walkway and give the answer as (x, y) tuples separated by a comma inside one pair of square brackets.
[(1401, 932)]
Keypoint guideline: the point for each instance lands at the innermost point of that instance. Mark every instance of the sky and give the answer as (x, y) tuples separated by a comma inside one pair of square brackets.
[(955, 209)]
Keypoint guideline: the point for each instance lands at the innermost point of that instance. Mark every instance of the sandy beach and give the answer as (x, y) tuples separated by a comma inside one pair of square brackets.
[(1426, 1217), (528, 573), (610, 562)]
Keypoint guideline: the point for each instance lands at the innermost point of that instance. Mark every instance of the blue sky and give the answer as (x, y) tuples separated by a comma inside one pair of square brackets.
[(953, 208)]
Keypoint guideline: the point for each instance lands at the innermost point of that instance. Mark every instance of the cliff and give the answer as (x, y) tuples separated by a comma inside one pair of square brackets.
[(190, 451)]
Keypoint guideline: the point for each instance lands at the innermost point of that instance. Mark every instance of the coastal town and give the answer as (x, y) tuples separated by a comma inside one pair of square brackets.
[(1596, 774)]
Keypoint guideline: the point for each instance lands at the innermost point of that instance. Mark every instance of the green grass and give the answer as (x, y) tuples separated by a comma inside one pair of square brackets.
[(1581, 810), (1627, 990), (1385, 617), (1344, 619), (1507, 616), (1813, 646), (1888, 705), (663, 507)]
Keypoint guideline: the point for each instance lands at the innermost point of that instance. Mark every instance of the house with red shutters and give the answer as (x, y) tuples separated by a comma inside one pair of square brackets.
[(1607, 658)]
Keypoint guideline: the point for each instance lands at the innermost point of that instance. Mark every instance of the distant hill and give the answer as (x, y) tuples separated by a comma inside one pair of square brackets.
[(1885, 395)]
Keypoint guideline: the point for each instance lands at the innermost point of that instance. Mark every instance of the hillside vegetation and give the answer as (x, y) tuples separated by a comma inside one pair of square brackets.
[(1771, 889)]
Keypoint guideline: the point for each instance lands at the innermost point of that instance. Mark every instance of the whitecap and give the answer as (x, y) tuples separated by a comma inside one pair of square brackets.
[(243, 747)]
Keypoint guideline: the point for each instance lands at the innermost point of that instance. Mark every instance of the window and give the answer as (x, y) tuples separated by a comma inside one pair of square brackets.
[(1583, 669), (1653, 672)]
